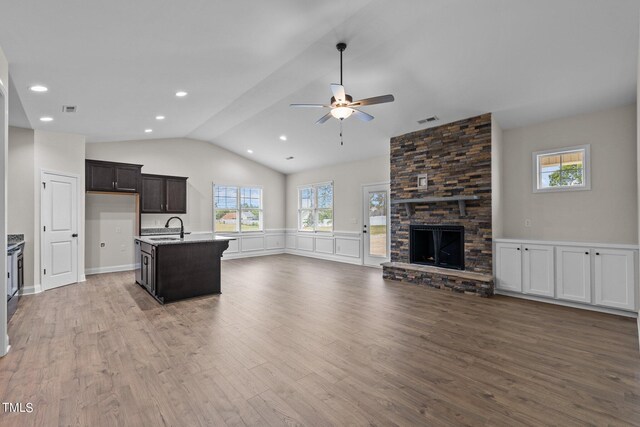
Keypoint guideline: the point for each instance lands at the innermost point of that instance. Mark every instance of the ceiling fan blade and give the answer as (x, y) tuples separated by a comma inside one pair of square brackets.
[(309, 105), (362, 115), (324, 118), (338, 92), (371, 101)]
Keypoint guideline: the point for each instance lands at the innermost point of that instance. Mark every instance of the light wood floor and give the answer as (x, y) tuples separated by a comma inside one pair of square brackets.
[(294, 340)]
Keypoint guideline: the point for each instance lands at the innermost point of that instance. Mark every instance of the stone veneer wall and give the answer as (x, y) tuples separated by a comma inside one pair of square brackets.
[(457, 159)]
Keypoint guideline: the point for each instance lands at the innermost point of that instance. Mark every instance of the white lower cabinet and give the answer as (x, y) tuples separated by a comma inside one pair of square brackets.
[(604, 277), (509, 267), (537, 270), (614, 279), (573, 273)]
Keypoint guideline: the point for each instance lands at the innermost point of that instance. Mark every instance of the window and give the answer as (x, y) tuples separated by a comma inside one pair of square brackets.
[(562, 169), (237, 209), (315, 207)]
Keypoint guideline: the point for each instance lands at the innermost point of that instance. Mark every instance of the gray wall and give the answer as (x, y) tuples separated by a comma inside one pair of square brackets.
[(348, 179), (608, 213)]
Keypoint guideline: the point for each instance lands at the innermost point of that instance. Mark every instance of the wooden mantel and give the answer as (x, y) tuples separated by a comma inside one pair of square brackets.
[(409, 203)]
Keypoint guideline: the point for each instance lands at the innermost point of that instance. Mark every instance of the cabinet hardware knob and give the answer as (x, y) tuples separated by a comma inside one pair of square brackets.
[(586, 253), (526, 249), (597, 253), (74, 235), (518, 248)]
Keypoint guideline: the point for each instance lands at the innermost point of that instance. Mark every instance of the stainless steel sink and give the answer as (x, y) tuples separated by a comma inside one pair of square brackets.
[(163, 238)]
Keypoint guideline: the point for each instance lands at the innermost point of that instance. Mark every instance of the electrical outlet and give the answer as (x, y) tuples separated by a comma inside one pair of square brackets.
[(122, 248), (527, 222), (103, 244)]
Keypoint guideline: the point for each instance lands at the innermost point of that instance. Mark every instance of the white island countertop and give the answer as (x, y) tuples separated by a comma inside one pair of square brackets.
[(188, 238)]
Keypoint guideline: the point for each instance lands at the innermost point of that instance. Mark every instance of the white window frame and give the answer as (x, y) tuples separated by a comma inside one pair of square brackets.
[(239, 209), (586, 185), (315, 208)]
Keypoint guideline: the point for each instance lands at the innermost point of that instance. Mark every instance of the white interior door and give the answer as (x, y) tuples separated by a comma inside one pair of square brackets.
[(59, 232), (376, 224)]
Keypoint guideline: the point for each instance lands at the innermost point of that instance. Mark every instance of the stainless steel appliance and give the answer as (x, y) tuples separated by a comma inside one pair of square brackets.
[(15, 277)]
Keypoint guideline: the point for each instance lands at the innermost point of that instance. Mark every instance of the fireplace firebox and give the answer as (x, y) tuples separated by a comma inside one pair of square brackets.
[(437, 245)]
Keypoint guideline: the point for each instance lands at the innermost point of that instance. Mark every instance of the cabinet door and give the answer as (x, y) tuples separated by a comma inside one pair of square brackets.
[(127, 178), (100, 177), (152, 195), (176, 195), (573, 273), (537, 268), (615, 278), (508, 267)]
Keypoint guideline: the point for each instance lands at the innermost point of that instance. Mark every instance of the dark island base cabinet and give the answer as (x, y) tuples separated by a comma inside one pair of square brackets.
[(164, 194), (178, 271), (112, 176)]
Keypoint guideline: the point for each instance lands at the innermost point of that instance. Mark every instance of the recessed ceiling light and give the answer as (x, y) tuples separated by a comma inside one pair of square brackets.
[(159, 117), (46, 119), (250, 151), (283, 137), (38, 88), (181, 93), (148, 130)]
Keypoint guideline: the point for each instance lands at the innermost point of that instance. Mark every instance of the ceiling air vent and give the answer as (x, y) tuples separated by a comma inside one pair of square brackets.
[(69, 108), (429, 120), (289, 158)]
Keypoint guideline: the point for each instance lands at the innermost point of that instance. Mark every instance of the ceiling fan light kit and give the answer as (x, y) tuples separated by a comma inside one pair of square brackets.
[(342, 104)]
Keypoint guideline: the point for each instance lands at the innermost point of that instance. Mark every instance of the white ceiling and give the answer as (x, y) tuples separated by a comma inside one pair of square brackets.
[(243, 62)]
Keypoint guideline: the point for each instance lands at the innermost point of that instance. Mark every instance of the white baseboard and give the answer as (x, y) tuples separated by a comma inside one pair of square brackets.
[(570, 304), (111, 269), (328, 257), (31, 290)]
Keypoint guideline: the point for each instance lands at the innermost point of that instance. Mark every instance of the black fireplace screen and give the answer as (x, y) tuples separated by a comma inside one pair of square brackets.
[(439, 245)]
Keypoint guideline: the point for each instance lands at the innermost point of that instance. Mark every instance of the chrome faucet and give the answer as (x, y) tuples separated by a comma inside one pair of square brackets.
[(181, 225)]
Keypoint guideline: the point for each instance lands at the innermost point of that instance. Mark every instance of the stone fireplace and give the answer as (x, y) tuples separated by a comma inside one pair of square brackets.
[(441, 224)]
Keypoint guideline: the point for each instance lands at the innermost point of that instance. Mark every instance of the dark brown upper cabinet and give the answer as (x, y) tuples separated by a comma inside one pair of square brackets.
[(163, 194), (112, 177)]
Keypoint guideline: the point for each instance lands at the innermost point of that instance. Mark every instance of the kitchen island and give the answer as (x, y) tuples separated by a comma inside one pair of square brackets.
[(173, 268)]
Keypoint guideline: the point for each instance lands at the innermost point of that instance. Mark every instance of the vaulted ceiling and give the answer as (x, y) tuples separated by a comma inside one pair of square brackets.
[(243, 62)]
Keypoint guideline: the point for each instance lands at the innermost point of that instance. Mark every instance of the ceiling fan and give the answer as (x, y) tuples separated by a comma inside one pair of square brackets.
[(342, 104)]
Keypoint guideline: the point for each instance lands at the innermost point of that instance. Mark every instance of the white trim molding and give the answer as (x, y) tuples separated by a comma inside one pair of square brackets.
[(586, 167)]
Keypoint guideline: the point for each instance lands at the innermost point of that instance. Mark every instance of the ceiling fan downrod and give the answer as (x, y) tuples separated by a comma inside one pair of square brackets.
[(341, 47)]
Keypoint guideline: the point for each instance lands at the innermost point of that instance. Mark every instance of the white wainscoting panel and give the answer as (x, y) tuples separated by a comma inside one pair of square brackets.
[(270, 242), (291, 241), (324, 245), (305, 243), (253, 243), (275, 241), (348, 247), (341, 246), (234, 247)]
